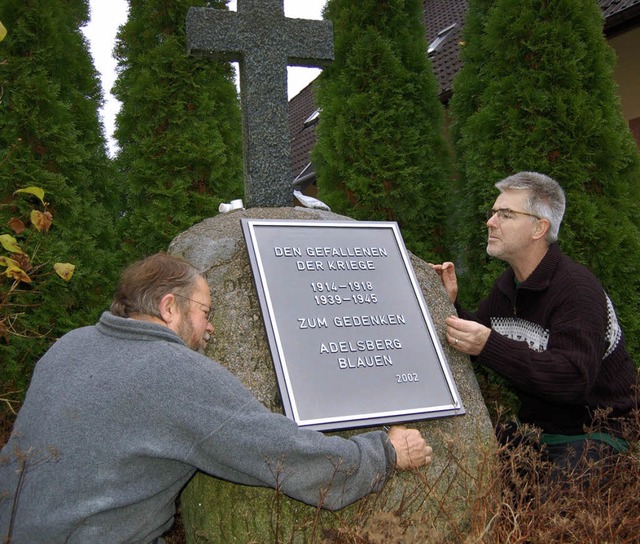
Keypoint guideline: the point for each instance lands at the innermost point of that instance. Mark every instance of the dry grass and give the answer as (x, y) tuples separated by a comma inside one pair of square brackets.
[(527, 508), (518, 504), (9, 405), (513, 505)]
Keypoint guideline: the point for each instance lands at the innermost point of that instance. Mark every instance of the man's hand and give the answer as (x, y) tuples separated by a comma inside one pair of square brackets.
[(447, 273), (466, 336), (411, 450)]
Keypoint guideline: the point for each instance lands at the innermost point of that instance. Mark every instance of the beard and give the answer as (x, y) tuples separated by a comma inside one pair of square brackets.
[(188, 335)]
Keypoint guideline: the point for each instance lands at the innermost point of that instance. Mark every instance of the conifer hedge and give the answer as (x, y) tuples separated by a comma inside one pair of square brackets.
[(51, 137), (381, 152), (179, 127)]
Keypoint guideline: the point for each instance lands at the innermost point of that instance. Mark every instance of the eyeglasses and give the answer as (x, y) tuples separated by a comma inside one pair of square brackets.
[(207, 312), (506, 213)]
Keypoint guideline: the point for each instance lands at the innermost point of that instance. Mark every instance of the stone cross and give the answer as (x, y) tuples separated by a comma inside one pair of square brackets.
[(264, 42)]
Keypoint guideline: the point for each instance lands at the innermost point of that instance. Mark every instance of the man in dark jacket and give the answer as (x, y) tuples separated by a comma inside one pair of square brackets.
[(120, 415), (548, 327)]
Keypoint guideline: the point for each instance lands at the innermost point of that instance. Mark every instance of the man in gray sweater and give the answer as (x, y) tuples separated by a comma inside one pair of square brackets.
[(120, 415)]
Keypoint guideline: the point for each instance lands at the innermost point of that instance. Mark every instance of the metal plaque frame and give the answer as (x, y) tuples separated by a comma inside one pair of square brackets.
[(351, 337)]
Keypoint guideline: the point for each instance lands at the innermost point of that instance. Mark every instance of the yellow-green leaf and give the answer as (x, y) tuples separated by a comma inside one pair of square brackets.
[(17, 273), (36, 191), (41, 221), (10, 244), (3, 31), (6, 261), (64, 270)]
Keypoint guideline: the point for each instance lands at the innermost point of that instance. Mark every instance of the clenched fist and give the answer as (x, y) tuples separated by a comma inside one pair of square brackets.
[(411, 449)]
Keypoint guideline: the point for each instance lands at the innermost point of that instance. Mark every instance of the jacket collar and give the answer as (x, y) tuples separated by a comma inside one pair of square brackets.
[(135, 329), (540, 278)]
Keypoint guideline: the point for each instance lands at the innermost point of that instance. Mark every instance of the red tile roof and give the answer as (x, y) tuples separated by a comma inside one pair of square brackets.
[(619, 14), (614, 7), (438, 15)]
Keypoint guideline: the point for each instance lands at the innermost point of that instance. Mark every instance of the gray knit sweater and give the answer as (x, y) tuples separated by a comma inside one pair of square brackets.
[(119, 416)]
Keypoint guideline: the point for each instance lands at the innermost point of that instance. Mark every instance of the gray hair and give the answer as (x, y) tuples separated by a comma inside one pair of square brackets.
[(546, 198), (143, 284)]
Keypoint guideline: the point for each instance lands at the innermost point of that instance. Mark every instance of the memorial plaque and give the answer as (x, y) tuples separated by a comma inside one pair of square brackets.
[(351, 337)]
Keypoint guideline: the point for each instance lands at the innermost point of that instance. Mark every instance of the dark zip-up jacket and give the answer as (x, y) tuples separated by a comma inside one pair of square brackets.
[(557, 340)]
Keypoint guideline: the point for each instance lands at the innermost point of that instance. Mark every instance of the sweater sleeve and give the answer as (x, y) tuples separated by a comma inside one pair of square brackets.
[(557, 353), (231, 435)]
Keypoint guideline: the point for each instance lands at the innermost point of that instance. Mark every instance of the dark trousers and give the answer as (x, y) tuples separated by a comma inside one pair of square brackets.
[(583, 462)]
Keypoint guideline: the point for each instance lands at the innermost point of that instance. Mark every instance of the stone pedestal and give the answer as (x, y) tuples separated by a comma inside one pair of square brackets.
[(435, 500)]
